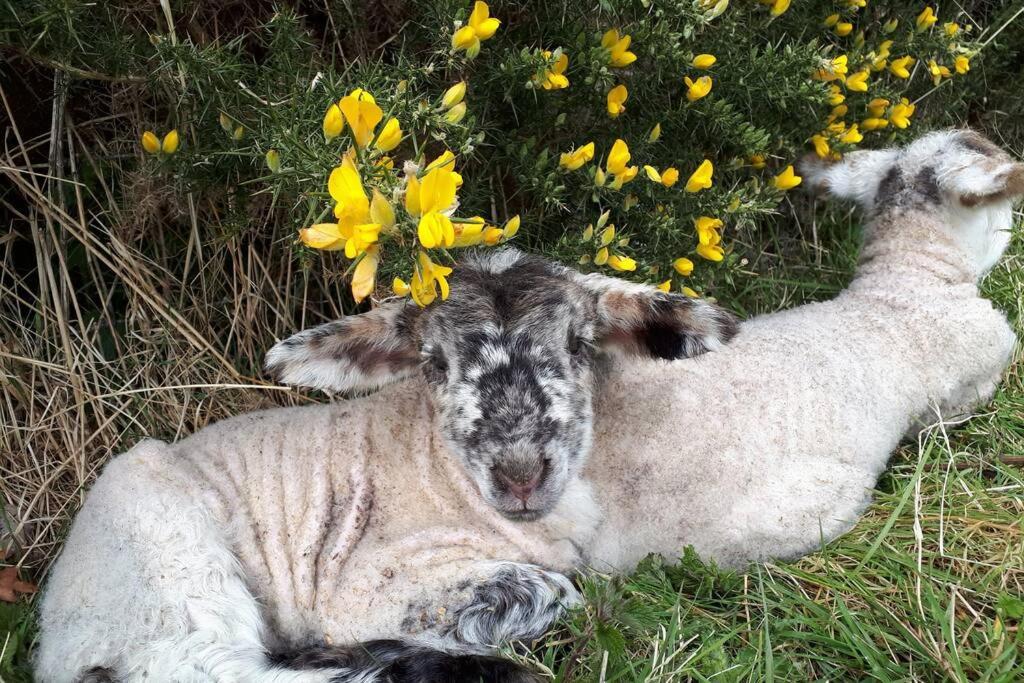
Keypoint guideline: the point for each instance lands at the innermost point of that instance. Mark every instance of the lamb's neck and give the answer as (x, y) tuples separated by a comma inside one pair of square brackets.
[(911, 249)]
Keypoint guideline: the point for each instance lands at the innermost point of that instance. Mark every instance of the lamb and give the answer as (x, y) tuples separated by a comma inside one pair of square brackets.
[(772, 446), (257, 548)]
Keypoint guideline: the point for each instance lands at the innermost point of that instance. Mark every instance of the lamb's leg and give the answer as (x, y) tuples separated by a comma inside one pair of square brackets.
[(147, 589)]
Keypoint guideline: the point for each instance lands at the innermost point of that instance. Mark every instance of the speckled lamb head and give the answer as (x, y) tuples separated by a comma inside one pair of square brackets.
[(957, 176), (509, 359)]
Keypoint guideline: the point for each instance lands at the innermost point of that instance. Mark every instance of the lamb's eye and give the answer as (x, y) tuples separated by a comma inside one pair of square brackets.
[(435, 366)]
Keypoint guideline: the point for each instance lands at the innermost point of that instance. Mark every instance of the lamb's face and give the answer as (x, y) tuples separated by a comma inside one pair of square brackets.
[(957, 174), (509, 358)]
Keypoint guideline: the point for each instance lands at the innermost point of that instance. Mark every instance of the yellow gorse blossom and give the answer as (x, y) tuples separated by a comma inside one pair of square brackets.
[(779, 7), (689, 292), (668, 177), (390, 135), (456, 113), (787, 180), (831, 20), (618, 48), (834, 69), (617, 164), (361, 114), (655, 133), (621, 263), (938, 71), (427, 277), (857, 82), (926, 19), (575, 159), (901, 67), (757, 161), (708, 238), (554, 77), (430, 198), (843, 29), (851, 136), (821, 147), (617, 100), (701, 178), (153, 145), (364, 277), (873, 123), (454, 95), (665, 286), (334, 122), (877, 106), (901, 113), (273, 159), (683, 266), (962, 64), (951, 28), (480, 27), (836, 96), (704, 61), (697, 89)]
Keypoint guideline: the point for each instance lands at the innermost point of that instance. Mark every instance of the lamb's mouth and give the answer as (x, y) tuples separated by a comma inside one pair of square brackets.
[(523, 515)]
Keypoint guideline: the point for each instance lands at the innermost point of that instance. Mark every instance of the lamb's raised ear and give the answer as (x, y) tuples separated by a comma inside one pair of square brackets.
[(355, 354), (855, 177), (985, 179), (641, 320)]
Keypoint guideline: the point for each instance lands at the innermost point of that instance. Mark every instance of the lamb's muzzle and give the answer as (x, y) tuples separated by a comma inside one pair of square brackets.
[(509, 359)]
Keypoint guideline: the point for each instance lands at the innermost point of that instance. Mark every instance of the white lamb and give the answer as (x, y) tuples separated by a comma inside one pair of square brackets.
[(445, 524)]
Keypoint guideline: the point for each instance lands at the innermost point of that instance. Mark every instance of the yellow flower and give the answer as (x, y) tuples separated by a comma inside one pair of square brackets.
[(618, 157), (601, 257), (617, 100), (683, 266), (843, 28), (836, 97), (873, 123), (901, 113), (599, 177), (890, 26), (712, 252), (701, 178), (238, 133), (704, 61), (511, 228), (390, 135), (365, 275), (469, 233), (668, 177), (621, 263), (689, 292), (926, 19), (575, 159), (655, 133), (779, 7), (821, 147), (435, 229), (150, 142), (697, 89), (456, 113), (435, 192), (858, 82), (831, 20), (480, 27), (665, 286), (555, 78), (381, 211), (877, 106), (362, 115), (492, 236), (426, 277), (757, 161), (273, 159), (938, 71), (333, 122), (962, 64), (706, 228), (901, 67), (851, 136), (832, 70), (453, 95), (170, 143), (399, 287), (618, 48), (622, 178), (951, 28), (787, 180)]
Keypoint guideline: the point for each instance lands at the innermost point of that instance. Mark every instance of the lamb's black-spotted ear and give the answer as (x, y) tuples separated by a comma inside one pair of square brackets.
[(855, 177), (986, 174), (359, 353), (642, 320)]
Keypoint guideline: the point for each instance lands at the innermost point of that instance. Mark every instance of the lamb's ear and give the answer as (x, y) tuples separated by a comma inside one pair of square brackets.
[(986, 180), (642, 320), (855, 177), (355, 354)]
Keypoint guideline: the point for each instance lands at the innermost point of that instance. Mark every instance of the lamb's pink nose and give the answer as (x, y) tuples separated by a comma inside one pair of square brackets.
[(518, 487)]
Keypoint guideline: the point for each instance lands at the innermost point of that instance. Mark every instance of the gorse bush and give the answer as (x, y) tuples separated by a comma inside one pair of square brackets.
[(646, 137)]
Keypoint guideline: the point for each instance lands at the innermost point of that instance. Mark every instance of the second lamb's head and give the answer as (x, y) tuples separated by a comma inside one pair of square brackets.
[(509, 360), (957, 176)]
